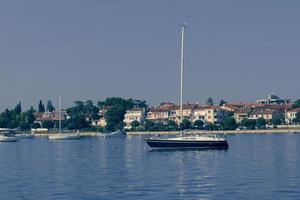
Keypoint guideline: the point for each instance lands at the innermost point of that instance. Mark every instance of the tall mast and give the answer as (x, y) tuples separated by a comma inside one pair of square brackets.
[(59, 112), (181, 70)]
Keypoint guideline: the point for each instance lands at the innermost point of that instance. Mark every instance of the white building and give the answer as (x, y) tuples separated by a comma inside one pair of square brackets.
[(134, 114), (290, 115)]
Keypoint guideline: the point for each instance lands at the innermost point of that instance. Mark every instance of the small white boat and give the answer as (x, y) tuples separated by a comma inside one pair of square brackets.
[(24, 136), (4, 138), (64, 136)]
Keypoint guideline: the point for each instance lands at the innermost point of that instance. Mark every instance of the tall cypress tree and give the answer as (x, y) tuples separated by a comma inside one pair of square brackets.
[(41, 106)]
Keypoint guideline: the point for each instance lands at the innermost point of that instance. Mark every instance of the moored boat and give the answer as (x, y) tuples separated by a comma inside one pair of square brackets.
[(60, 135), (186, 142), (190, 142), (4, 138), (64, 136)]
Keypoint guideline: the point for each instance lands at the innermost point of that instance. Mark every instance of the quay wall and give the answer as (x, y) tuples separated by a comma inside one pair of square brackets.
[(266, 131)]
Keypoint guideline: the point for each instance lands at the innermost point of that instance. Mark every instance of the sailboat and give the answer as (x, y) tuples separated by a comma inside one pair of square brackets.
[(186, 142), (60, 135), (6, 135)]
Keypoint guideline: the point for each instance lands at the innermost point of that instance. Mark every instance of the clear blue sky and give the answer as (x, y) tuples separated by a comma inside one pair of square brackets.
[(236, 50)]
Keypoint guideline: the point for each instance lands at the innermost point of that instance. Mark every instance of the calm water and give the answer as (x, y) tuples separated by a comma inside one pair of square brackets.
[(254, 167)]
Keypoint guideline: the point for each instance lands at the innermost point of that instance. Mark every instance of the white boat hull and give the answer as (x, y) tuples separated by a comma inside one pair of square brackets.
[(64, 136), (7, 139)]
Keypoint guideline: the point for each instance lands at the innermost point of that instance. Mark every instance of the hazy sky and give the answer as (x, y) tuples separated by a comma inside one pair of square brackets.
[(92, 49)]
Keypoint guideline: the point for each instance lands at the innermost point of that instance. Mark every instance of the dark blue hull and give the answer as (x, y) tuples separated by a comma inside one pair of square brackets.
[(172, 144)]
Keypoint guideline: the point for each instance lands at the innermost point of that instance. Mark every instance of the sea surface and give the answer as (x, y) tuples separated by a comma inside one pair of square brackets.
[(254, 167)]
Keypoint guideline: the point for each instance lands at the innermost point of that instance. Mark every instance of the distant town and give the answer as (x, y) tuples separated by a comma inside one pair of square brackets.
[(116, 113)]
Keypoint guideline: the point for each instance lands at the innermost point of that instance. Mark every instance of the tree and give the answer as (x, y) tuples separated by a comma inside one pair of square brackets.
[(248, 123), (198, 124), (24, 126), (171, 124), (296, 104), (50, 107), (4, 122), (210, 101), (63, 124), (211, 127), (277, 119), (297, 118), (30, 116), (134, 124), (260, 123), (114, 116), (36, 125), (222, 102), (185, 124), (12, 124), (148, 125), (48, 124), (18, 108), (229, 124), (77, 122), (159, 126), (41, 106)]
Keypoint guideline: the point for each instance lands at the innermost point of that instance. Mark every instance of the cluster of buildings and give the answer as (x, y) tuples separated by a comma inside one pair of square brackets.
[(267, 109)]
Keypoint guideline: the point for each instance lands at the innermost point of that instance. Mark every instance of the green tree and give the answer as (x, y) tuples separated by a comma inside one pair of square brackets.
[(185, 124), (4, 122), (24, 126), (248, 123), (148, 125), (229, 124), (77, 122), (114, 116), (41, 106), (277, 119), (296, 104), (134, 124), (48, 124), (36, 125), (50, 107), (210, 101), (12, 124), (159, 126), (222, 102), (198, 124), (18, 108), (172, 125), (30, 116), (260, 123), (211, 127), (63, 124)]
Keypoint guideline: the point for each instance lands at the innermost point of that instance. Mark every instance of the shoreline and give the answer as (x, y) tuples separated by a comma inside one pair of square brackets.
[(195, 132), (192, 132)]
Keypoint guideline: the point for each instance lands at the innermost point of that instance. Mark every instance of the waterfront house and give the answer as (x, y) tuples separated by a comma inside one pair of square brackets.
[(187, 112), (241, 114), (101, 122), (290, 115), (265, 114), (134, 114), (157, 114), (208, 114)]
